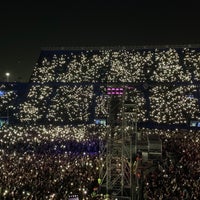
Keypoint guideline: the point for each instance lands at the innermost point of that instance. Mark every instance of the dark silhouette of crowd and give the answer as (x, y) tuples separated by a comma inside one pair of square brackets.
[(177, 175)]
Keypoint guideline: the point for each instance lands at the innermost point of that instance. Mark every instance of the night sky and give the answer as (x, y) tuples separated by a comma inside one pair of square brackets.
[(28, 26)]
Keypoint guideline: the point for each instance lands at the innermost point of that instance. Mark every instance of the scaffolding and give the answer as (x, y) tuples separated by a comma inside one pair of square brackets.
[(116, 171)]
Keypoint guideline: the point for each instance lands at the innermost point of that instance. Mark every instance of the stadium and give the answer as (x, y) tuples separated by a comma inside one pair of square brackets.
[(103, 123)]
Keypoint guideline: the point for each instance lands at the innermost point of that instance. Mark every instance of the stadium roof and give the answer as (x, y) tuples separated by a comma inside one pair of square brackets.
[(121, 47)]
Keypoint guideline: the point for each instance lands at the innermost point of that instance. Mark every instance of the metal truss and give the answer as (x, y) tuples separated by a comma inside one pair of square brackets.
[(116, 171)]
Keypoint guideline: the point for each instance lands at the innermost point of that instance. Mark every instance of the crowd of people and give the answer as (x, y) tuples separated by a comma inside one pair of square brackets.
[(7, 99), (174, 104), (177, 175), (74, 104), (54, 149), (80, 138), (64, 89), (48, 162), (170, 104), (64, 104), (191, 60), (47, 176), (133, 66), (168, 68)]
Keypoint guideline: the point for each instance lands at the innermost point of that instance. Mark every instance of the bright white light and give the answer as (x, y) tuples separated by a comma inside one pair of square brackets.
[(7, 74)]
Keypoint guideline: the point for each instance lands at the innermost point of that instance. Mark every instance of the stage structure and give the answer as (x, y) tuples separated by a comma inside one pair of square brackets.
[(116, 173)]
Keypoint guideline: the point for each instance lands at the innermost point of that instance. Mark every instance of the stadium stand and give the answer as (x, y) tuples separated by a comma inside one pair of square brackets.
[(49, 136)]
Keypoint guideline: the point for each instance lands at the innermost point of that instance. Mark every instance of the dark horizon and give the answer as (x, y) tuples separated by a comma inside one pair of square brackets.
[(27, 27)]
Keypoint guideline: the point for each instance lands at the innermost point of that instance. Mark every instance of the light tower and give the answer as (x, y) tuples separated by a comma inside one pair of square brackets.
[(117, 165), (7, 79), (7, 76)]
